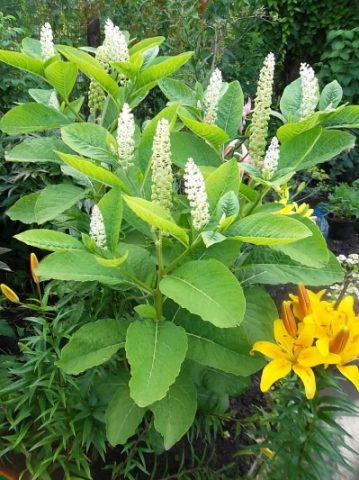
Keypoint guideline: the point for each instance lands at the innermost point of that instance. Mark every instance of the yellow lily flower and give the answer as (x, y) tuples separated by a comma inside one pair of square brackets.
[(289, 209), (291, 353), (34, 263), (9, 293)]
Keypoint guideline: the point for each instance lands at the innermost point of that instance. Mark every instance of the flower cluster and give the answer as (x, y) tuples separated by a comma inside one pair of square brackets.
[(312, 331), (261, 113), (350, 265), (125, 137), (46, 41), (290, 208), (162, 176), (310, 90), (97, 227), (196, 193), (270, 162), (211, 96)]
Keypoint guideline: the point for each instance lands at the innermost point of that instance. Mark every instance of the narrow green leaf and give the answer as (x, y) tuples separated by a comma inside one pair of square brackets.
[(211, 133), (55, 199), (111, 208), (36, 150), (49, 240), (23, 61), (156, 72), (146, 44), (230, 109)]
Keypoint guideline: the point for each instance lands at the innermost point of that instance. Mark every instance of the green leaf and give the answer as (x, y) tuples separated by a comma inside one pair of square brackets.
[(207, 288), (24, 209), (224, 383), (146, 44), (292, 129), (224, 179), (130, 69), (42, 96), (230, 109), (185, 145), (37, 150), (166, 67), (211, 133), (62, 76), (79, 267), (174, 414), (291, 100), (264, 265), (90, 140), (177, 91), (32, 117), (92, 345), (266, 229), (111, 208), (210, 238), (49, 240), (91, 67), (311, 251), (155, 352), (92, 170), (156, 216), (123, 417), (346, 117), (293, 151), (31, 46), (331, 95), (23, 61)]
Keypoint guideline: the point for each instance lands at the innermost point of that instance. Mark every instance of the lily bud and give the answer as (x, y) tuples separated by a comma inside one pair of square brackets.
[(9, 293), (34, 263), (340, 340), (267, 452), (289, 319), (303, 299)]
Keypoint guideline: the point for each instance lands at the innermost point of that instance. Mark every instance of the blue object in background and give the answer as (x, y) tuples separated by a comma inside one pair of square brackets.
[(321, 221)]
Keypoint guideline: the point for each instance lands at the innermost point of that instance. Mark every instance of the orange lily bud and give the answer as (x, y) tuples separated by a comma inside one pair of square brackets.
[(34, 263), (289, 319), (340, 340), (9, 293), (267, 452), (303, 299)]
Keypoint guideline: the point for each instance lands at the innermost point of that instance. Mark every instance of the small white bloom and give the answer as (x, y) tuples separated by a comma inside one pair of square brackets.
[(310, 90), (270, 163), (196, 193), (341, 258), (97, 227), (211, 96), (53, 101), (114, 47), (162, 177), (46, 41), (125, 136)]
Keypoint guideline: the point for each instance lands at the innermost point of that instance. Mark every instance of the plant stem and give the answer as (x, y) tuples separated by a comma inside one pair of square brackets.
[(68, 105), (258, 201), (158, 298), (182, 256)]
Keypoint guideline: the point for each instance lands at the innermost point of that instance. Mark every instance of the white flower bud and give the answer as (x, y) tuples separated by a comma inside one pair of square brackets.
[(46, 42), (196, 193), (211, 96), (125, 137), (310, 90), (97, 227), (270, 163), (162, 177)]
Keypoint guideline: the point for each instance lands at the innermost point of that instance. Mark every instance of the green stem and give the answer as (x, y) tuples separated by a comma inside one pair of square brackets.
[(182, 256), (158, 298), (258, 201), (68, 105)]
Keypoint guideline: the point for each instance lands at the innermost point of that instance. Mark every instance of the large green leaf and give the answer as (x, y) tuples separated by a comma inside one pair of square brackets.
[(230, 109), (311, 251), (62, 76), (91, 67), (293, 151), (177, 91), (37, 150), (291, 100), (123, 417), (292, 129), (24, 209), (264, 265), (207, 288), (93, 344), (146, 44), (185, 145), (49, 240), (90, 140), (155, 352), (174, 414), (346, 117), (224, 179), (111, 207), (266, 229), (331, 95), (32, 117), (211, 133), (23, 61), (156, 216), (79, 267), (166, 67), (92, 170)]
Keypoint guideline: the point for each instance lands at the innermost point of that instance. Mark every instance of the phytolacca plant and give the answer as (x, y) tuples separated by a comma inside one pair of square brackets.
[(156, 212)]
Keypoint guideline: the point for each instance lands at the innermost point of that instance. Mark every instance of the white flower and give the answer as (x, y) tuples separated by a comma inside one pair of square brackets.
[(53, 101), (261, 112), (97, 227), (196, 193), (211, 96), (114, 47), (46, 42), (125, 136), (270, 163), (310, 90), (162, 177)]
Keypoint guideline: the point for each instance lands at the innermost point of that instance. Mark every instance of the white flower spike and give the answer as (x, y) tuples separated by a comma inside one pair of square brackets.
[(310, 90), (162, 176), (270, 162), (211, 96), (125, 137), (97, 227), (46, 41), (196, 193)]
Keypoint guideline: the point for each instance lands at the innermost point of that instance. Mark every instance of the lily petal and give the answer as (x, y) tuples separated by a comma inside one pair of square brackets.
[(311, 357), (347, 305), (281, 335), (272, 372), (270, 350), (323, 345), (307, 376), (351, 372)]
